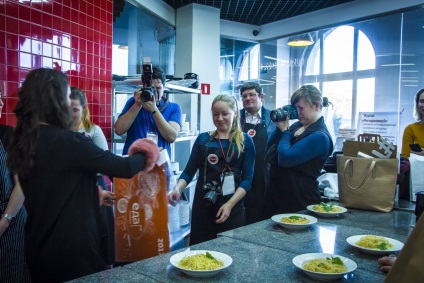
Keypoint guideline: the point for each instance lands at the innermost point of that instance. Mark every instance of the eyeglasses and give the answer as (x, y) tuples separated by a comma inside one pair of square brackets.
[(249, 94)]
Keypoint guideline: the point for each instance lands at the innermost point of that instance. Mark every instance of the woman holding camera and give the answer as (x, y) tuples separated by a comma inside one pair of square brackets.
[(225, 159), (300, 152)]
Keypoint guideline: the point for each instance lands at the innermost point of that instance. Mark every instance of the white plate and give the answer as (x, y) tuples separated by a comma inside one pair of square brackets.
[(397, 246), (300, 260), (293, 226), (176, 258), (326, 214)]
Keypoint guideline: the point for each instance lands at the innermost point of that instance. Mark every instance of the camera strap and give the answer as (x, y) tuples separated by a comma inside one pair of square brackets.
[(209, 140)]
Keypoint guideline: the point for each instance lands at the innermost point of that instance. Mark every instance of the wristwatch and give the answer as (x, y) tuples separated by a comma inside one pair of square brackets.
[(8, 217)]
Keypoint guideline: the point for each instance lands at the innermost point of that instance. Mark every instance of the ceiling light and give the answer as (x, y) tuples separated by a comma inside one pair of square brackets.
[(300, 40), (123, 47)]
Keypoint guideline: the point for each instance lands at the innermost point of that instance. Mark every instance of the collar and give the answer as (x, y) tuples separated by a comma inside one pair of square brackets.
[(250, 116)]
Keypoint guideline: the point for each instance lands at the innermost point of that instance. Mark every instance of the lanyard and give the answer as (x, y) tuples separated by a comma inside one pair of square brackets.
[(227, 159)]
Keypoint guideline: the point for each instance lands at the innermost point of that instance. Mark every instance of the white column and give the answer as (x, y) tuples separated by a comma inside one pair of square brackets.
[(198, 50)]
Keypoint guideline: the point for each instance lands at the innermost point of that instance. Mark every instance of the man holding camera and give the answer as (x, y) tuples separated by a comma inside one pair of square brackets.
[(148, 114), (255, 121)]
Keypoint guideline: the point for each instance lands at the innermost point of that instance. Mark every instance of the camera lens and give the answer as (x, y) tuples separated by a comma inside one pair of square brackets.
[(278, 115), (146, 95), (210, 198)]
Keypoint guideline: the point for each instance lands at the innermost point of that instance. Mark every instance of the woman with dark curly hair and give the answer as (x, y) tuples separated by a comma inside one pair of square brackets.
[(57, 171)]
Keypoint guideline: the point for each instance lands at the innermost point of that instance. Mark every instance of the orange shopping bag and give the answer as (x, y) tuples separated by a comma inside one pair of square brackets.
[(141, 217)]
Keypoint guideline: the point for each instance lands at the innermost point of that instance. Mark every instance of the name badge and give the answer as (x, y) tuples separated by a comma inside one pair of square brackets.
[(228, 184)]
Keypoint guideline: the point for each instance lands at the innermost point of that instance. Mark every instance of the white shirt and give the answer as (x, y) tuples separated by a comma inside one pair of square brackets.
[(253, 119)]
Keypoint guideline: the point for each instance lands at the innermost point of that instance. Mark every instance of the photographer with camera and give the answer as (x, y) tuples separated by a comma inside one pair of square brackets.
[(225, 159), (256, 122), (148, 114), (297, 153)]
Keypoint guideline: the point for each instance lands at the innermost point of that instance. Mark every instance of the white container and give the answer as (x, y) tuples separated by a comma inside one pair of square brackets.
[(173, 218), (184, 213)]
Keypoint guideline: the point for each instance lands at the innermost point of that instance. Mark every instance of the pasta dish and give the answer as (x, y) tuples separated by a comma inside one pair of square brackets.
[(295, 220), (326, 265), (374, 242), (326, 208), (200, 262)]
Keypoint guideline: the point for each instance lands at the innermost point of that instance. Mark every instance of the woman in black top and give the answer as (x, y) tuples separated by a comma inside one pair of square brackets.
[(57, 170)]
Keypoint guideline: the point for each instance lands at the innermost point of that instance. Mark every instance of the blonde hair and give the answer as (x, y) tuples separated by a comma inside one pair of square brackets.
[(78, 94), (236, 134)]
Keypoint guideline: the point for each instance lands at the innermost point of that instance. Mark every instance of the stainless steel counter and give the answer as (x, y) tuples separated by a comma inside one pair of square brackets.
[(263, 252)]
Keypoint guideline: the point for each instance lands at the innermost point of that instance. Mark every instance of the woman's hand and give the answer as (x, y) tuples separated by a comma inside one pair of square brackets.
[(283, 125), (386, 263), (174, 196), (223, 213), (106, 197)]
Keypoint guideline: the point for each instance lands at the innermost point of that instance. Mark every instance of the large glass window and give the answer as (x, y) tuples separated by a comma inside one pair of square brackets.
[(367, 66)]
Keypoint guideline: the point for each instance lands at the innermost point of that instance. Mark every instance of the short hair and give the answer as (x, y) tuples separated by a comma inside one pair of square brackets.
[(251, 85), (311, 95), (157, 73), (417, 114)]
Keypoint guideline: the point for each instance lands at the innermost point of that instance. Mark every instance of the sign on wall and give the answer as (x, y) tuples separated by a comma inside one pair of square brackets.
[(384, 124)]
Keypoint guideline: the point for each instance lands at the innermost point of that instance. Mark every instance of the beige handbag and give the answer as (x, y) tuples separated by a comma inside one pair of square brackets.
[(367, 183)]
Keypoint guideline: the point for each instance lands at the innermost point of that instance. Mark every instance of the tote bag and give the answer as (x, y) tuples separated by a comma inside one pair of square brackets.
[(367, 183)]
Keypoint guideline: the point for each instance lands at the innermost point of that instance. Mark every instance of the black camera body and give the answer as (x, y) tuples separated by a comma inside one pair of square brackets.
[(148, 91), (280, 114), (213, 191)]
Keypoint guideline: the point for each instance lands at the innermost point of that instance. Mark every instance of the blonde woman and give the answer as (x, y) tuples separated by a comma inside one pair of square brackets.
[(82, 123), (81, 119), (225, 159)]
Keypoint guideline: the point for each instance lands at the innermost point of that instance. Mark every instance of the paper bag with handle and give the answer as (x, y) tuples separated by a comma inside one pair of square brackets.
[(367, 183), (370, 144)]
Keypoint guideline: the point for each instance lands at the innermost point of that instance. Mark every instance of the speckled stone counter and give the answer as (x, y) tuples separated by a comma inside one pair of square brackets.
[(263, 252)]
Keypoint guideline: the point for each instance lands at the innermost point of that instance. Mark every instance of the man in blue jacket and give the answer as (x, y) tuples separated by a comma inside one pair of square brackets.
[(256, 122)]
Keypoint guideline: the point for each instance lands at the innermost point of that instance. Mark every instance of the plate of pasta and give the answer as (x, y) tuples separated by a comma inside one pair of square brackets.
[(326, 209), (375, 245), (201, 263), (324, 266), (293, 221)]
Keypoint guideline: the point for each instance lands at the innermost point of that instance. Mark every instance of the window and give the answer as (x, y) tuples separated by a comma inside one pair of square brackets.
[(347, 78)]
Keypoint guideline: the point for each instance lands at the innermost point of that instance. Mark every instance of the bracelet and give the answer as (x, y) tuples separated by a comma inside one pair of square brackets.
[(8, 217), (153, 112)]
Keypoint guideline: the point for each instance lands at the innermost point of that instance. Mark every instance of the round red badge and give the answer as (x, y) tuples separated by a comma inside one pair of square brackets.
[(251, 133), (213, 159)]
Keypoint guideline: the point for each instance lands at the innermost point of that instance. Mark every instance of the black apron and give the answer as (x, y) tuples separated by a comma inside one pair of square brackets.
[(203, 225), (254, 200)]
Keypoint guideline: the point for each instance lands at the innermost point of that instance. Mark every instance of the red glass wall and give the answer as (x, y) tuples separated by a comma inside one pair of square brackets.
[(74, 36)]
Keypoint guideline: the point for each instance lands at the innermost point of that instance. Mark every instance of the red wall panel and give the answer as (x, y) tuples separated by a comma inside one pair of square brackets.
[(74, 36)]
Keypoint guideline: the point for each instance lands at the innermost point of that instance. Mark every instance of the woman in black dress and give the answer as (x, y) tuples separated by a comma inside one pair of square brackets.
[(57, 171)]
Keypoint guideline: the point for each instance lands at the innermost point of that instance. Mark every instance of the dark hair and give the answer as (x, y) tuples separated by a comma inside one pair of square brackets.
[(417, 113), (311, 95), (158, 74), (251, 85), (78, 94), (42, 99)]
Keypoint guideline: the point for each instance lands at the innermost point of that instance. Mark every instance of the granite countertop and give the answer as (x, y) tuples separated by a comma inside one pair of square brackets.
[(264, 251)]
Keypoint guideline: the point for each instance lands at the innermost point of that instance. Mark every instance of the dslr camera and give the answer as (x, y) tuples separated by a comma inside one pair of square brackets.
[(213, 190), (148, 91), (280, 114)]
